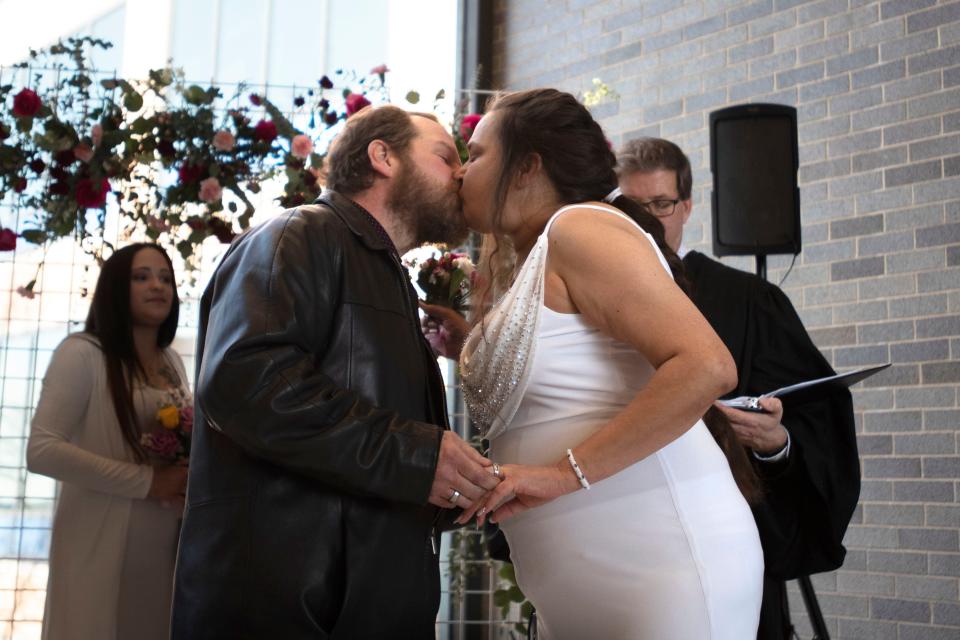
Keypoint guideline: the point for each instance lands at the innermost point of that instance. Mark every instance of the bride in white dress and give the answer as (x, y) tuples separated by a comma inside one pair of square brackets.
[(591, 372)]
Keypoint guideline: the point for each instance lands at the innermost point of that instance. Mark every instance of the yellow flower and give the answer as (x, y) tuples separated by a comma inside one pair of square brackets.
[(169, 417)]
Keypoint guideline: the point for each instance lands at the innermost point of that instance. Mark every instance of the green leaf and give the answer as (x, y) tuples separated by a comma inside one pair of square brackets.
[(194, 94), (413, 97), (440, 95), (284, 128), (36, 236), (110, 84), (133, 101)]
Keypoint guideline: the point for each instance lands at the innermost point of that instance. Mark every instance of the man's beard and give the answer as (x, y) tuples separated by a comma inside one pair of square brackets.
[(430, 212)]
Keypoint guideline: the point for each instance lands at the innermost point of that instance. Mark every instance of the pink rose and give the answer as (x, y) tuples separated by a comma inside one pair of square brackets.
[(27, 291), (301, 146), (96, 134), (355, 102), (83, 152), (224, 141), (210, 190), (468, 124), (380, 69), (163, 443), (186, 419), (265, 131), (26, 104), (8, 240), (158, 224)]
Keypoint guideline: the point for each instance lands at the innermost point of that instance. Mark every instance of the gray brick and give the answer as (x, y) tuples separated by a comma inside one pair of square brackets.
[(951, 166), (939, 58), (858, 100), (860, 311), (829, 48), (922, 491), (662, 41), (870, 537), (897, 562), (946, 189), (941, 419), (832, 336), (941, 372), (911, 131), (878, 116), (946, 613), (917, 172), (847, 145), (945, 280), (750, 89), (878, 75), (939, 235), (869, 445), (872, 629), (937, 515), (728, 75), (823, 129), (900, 610), (911, 87), (872, 490), (799, 75), (910, 45), (890, 468), (872, 32), (944, 564), (796, 36), (895, 8), (724, 40), (671, 128), (887, 286), (851, 61), (929, 540), (934, 104), (859, 268), (881, 157), (860, 356), (885, 243), (893, 514), (892, 421), (770, 24), (938, 327), (925, 216), (933, 17), (627, 52), (859, 226), (659, 112), (828, 251), (925, 397), (858, 183), (896, 376), (951, 77), (821, 170), (679, 89), (925, 632), (941, 467), (834, 604), (915, 261), (704, 27), (866, 583), (918, 306), (923, 443), (821, 9), (934, 148), (706, 100), (953, 256), (751, 50), (749, 13), (824, 88)]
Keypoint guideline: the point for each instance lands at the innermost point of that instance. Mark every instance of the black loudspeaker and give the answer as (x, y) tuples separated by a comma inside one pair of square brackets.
[(754, 159)]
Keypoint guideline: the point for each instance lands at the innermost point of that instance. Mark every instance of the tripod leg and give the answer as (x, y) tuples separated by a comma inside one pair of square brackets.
[(813, 609)]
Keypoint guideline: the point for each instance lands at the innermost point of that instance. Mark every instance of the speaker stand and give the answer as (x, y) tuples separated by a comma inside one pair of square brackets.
[(762, 266)]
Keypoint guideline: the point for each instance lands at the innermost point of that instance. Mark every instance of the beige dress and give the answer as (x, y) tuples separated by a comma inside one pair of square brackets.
[(75, 438)]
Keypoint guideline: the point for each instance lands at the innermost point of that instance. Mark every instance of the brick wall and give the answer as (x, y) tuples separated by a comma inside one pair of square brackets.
[(877, 88)]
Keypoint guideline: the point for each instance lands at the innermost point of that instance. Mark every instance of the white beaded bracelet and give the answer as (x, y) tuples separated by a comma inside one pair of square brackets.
[(576, 469)]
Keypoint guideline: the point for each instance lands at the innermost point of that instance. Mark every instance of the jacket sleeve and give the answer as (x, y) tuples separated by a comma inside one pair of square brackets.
[(271, 308), (66, 400), (811, 497)]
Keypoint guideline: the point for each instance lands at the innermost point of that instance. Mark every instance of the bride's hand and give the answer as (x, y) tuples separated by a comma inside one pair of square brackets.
[(522, 487), (445, 330)]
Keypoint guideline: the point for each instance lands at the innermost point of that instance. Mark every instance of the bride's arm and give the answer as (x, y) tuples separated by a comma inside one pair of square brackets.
[(604, 268)]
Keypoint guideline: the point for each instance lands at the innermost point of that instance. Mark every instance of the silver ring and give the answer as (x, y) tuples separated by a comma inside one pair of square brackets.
[(454, 497), (496, 469)]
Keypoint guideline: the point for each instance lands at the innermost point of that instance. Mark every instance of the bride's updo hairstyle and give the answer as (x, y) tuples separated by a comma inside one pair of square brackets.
[(581, 165)]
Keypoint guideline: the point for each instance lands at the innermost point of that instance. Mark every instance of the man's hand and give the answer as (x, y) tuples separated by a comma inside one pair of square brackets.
[(445, 330), (462, 474), (762, 432)]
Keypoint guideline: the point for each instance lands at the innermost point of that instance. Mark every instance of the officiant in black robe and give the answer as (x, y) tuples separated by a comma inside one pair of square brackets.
[(812, 475)]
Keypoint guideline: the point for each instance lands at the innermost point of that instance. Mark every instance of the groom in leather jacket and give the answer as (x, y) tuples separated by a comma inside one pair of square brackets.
[(322, 461)]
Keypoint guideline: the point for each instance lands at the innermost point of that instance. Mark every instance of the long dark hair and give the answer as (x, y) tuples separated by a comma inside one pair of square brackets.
[(581, 165), (110, 320)]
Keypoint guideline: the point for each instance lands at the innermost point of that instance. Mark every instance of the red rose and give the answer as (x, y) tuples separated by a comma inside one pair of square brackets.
[(165, 149), (265, 131), (355, 102), (92, 194), (195, 223), (37, 165), (326, 83), (65, 157), (331, 118), (221, 230), (190, 173), (59, 188), (468, 124), (255, 100), (19, 184), (26, 104), (8, 240)]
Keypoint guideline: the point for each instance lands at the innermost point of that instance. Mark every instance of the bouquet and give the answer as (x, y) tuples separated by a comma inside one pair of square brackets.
[(446, 280), (173, 440)]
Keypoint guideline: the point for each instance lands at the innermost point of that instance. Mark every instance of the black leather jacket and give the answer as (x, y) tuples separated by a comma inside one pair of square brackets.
[(317, 405)]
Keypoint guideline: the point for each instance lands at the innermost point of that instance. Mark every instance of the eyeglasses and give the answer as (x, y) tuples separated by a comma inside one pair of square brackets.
[(661, 208)]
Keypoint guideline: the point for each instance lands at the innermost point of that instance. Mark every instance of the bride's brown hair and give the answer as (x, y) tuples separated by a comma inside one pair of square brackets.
[(580, 163)]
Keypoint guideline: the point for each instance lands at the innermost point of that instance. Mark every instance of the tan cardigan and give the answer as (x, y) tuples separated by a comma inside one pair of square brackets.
[(75, 437)]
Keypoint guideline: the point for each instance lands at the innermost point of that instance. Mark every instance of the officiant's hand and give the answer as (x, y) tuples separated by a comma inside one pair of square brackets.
[(462, 476), (445, 330), (762, 432)]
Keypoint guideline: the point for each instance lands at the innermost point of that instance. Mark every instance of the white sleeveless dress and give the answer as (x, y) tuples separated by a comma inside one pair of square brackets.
[(666, 549)]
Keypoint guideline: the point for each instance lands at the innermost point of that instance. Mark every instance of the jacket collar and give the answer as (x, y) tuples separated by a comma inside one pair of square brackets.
[(358, 220)]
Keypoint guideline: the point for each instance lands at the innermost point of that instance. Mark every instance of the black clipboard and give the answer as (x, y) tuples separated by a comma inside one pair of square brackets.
[(846, 379)]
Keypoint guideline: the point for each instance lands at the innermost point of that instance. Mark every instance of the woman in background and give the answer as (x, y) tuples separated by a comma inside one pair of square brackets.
[(107, 395)]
